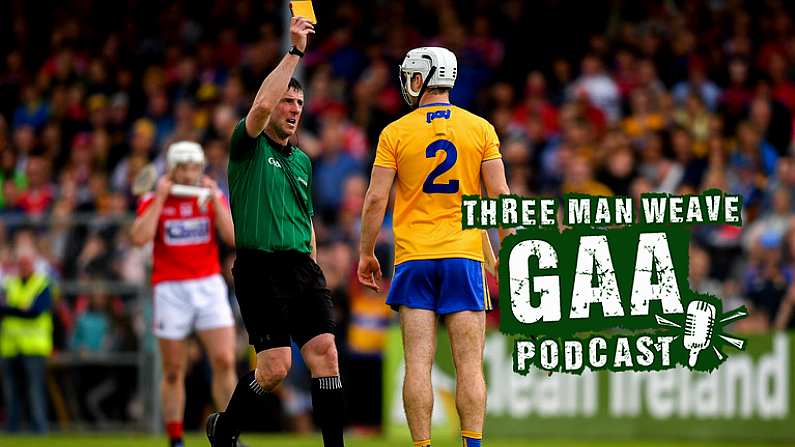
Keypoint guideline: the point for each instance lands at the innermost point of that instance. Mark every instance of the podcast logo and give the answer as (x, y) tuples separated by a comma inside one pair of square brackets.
[(602, 282)]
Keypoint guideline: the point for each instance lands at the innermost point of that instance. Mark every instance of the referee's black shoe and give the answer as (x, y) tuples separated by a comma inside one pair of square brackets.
[(219, 437)]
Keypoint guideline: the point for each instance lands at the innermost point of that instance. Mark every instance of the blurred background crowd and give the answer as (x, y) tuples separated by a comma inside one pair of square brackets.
[(601, 97)]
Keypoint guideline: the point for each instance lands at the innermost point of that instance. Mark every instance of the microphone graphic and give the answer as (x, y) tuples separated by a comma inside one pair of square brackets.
[(699, 324)]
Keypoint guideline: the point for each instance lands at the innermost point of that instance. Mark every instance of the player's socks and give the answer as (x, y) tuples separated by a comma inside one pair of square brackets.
[(423, 443), (175, 433), (329, 407), (471, 438), (223, 428), (244, 401)]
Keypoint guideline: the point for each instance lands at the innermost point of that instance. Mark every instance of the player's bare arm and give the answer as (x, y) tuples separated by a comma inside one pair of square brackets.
[(375, 202), (145, 226), (275, 84), (223, 217), (492, 173)]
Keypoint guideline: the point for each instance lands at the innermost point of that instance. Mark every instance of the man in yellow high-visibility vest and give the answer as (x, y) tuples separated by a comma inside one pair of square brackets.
[(25, 341)]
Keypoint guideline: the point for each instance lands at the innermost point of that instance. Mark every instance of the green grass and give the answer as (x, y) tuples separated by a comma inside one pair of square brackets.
[(195, 440)]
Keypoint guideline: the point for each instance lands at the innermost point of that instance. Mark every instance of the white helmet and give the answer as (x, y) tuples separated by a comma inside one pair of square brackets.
[(437, 66), (184, 152)]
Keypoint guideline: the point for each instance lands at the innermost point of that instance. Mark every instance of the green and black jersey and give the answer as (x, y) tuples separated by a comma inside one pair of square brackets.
[(270, 194)]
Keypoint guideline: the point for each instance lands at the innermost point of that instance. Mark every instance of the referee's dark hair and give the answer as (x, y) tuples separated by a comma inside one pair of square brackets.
[(295, 85)]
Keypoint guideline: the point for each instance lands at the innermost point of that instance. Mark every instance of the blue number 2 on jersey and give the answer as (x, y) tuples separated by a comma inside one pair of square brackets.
[(451, 156)]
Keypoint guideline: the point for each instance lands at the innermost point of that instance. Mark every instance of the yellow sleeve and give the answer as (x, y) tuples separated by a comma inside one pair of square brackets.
[(492, 147), (385, 155)]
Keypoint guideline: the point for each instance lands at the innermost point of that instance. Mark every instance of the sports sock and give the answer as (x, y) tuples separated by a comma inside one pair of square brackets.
[(471, 438), (423, 443), (329, 407), (244, 402), (175, 432)]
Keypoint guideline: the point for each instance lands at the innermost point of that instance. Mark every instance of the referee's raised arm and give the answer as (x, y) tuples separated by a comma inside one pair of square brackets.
[(275, 84)]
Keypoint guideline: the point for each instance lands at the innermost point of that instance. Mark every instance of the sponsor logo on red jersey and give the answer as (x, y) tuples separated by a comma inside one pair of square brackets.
[(186, 231)]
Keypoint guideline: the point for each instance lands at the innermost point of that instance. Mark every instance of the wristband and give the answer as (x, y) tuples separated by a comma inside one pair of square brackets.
[(294, 50)]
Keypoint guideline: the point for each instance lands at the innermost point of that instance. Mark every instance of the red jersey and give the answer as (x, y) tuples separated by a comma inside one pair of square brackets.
[(185, 244)]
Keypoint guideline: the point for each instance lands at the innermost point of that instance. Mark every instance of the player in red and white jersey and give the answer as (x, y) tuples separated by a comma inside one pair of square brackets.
[(189, 292)]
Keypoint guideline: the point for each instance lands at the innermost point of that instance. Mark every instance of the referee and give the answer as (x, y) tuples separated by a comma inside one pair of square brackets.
[(280, 289)]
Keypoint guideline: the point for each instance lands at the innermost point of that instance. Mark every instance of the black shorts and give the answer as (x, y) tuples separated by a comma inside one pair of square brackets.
[(281, 295)]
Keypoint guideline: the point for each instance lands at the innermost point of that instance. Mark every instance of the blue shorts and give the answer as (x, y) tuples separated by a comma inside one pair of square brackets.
[(444, 286)]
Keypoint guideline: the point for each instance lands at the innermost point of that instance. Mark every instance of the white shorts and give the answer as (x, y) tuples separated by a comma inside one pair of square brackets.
[(182, 306)]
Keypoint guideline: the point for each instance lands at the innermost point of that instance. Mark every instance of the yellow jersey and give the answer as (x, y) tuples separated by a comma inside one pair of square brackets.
[(436, 151)]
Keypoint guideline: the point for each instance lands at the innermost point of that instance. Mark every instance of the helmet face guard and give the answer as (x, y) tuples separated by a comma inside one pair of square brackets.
[(411, 97)]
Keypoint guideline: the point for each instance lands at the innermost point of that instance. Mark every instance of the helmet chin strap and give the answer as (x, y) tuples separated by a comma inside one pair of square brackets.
[(425, 85)]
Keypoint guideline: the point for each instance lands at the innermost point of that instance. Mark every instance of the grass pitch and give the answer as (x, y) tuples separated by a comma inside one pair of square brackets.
[(197, 440)]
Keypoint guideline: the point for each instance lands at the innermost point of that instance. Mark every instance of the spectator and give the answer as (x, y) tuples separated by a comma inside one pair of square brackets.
[(644, 119), (217, 158), (688, 162), (537, 107), (39, 194), (579, 179), (698, 84), (142, 148), (772, 119), (595, 84), (12, 180), (767, 280), (619, 170), (776, 221), (24, 143), (92, 331), (25, 340), (334, 166), (365, 344), (695, 117), (753, 151), (698, 276), (783, 89), (33, 111), (735, 98)]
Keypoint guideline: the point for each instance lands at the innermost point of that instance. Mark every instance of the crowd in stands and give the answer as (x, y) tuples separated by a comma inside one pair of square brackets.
[(602, 97)]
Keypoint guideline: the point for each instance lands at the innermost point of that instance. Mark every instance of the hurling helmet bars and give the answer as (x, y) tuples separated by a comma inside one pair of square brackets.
[(184, 152), (437, 66)]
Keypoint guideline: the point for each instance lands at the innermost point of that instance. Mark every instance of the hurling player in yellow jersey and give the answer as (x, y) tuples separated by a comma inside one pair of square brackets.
[(436, 154)]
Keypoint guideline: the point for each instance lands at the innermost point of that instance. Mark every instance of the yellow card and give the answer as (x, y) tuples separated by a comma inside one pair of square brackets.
[(303, 8)]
